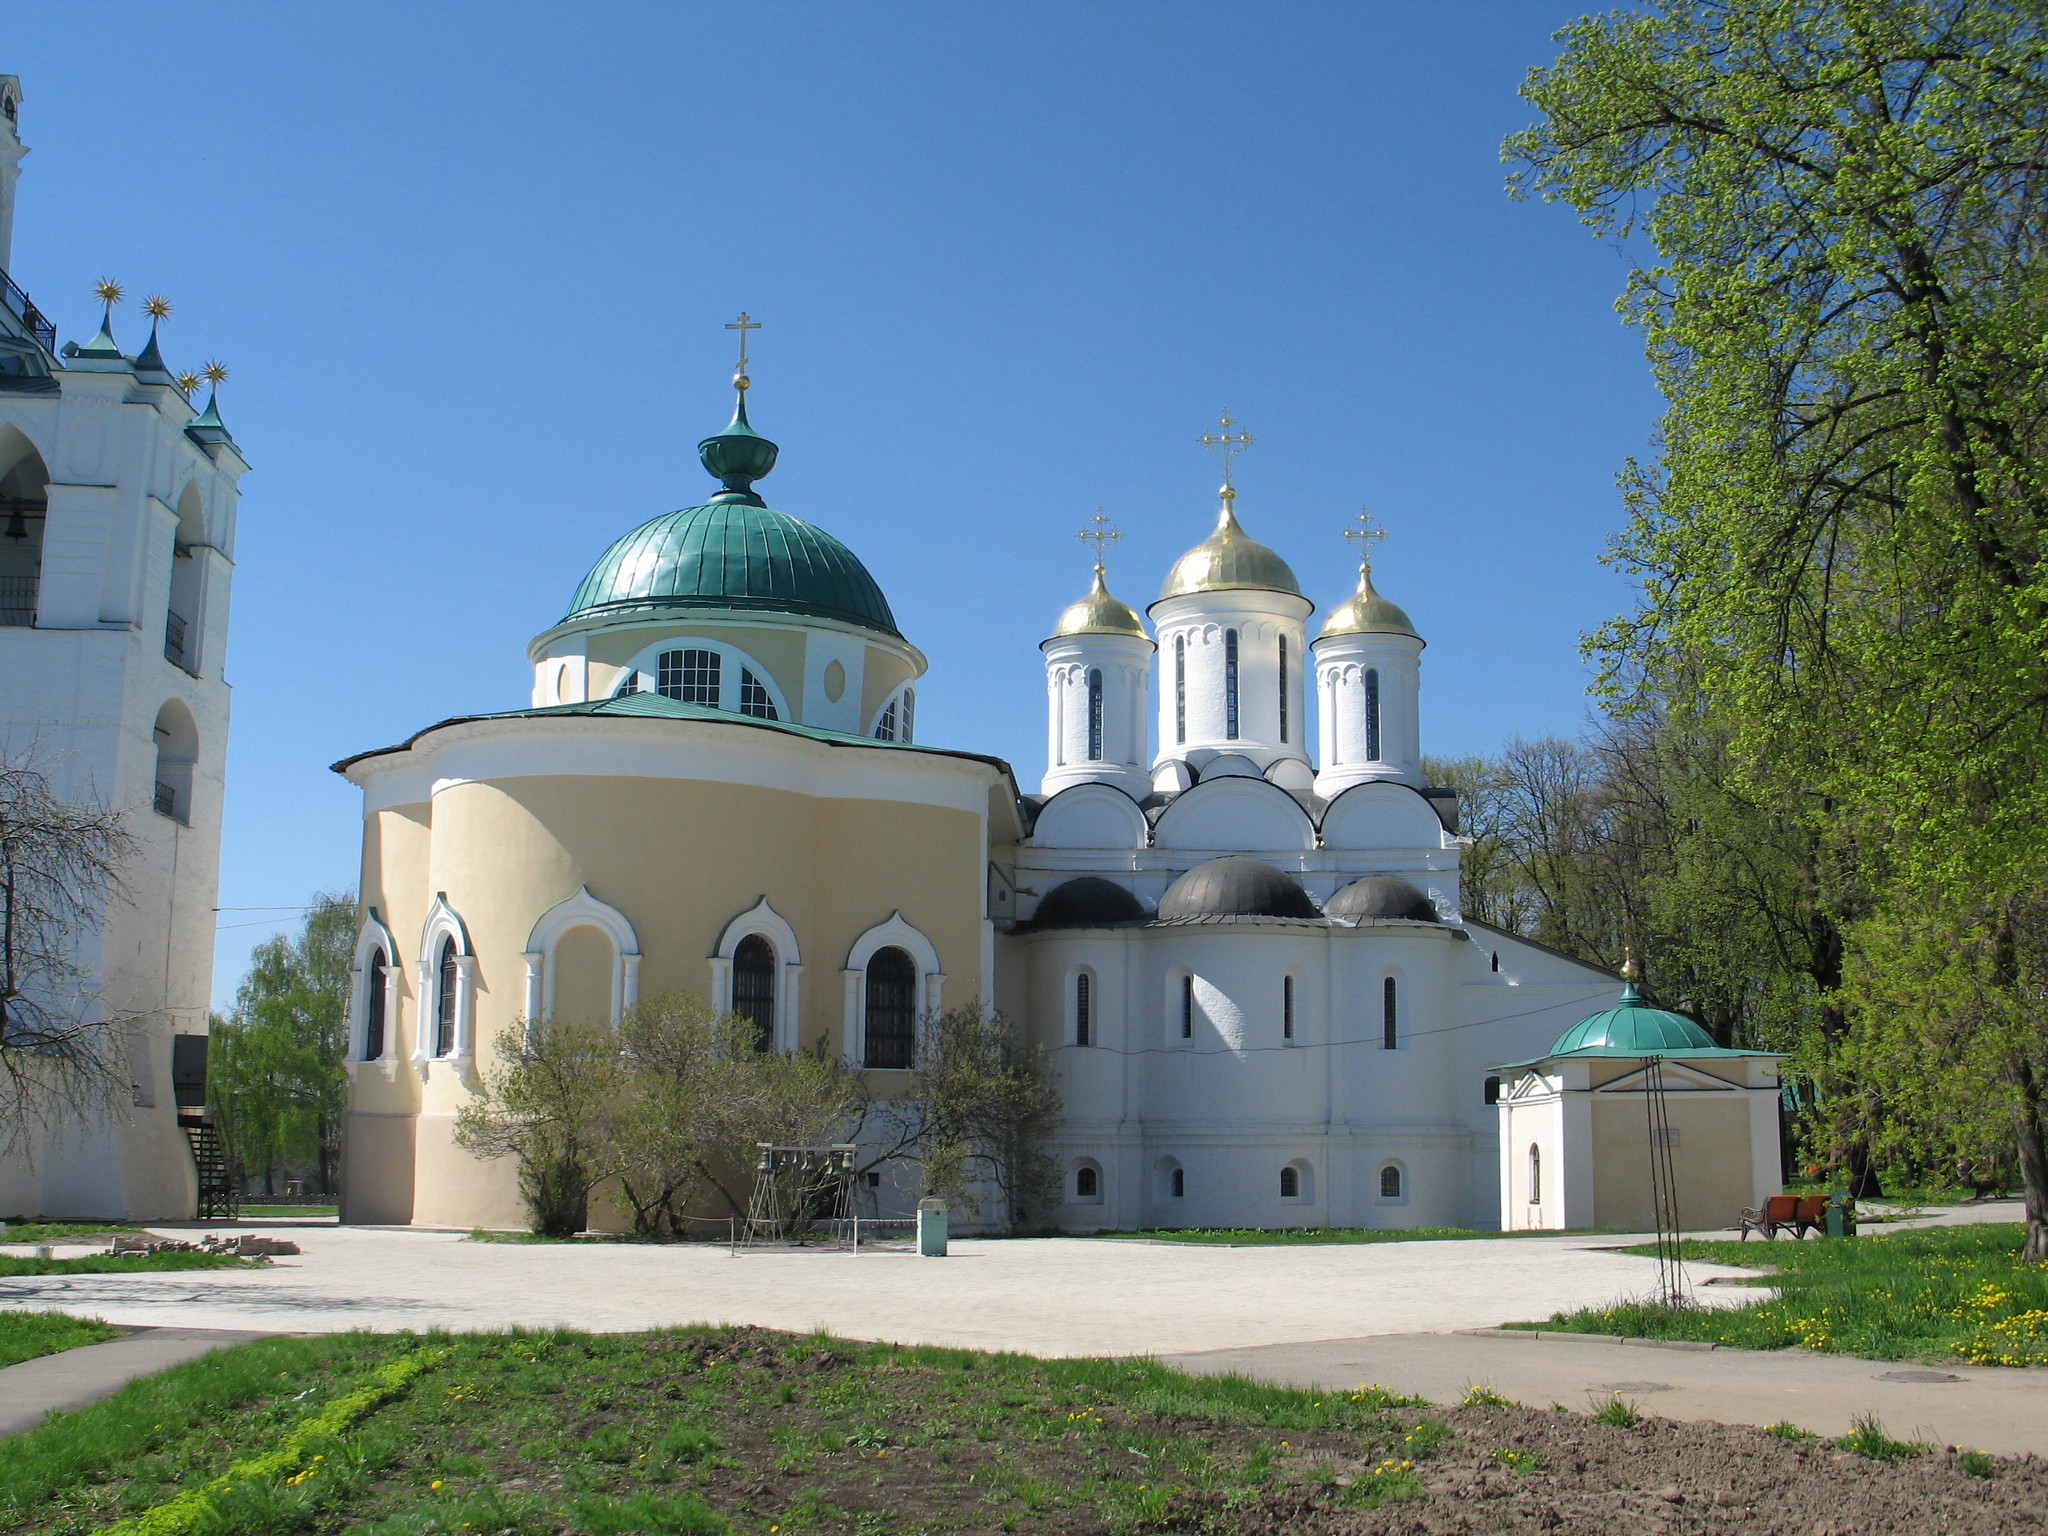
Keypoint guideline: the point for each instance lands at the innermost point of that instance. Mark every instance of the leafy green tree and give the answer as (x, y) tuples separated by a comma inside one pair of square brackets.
[(552, 1101), (1841, 543), (276, 1083)]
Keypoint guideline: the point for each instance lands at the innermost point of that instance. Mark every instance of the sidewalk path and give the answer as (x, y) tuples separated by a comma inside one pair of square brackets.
[(1985, 1408), (78, 1378)]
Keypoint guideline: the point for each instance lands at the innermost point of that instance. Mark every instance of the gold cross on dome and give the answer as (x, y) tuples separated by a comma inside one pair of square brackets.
[(1365, 535), (744, 324), (1101, 535), (1224, 445)]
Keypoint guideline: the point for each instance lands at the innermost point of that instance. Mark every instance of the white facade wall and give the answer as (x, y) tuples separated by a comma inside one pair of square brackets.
[(1124, 664), (1350, 670), (1193, 636)]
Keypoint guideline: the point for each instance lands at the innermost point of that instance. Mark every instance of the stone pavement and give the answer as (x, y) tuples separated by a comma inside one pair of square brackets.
[(77, 1378), (1985, 1408)]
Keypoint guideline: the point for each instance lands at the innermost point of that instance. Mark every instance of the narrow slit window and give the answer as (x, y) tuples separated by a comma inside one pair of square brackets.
[(1095, 714), (1187, 1007), (1287, 1008), (1230, 683), (1084, 1009), (1372, 715), (754, 699), (1535, 1174), (444, 1000), (1390, 1027), (1283, 690), (373, 1010), (1180, 1183), (753, 988), (1180, 688)]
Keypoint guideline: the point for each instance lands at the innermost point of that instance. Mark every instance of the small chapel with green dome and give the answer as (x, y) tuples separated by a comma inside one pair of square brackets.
[(1228, 912)]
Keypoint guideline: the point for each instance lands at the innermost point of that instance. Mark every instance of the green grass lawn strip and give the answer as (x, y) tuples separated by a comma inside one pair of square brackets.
[(1940, 1291), (1254, 1237), (64, 1231), (29, 1335), (119, 1263)]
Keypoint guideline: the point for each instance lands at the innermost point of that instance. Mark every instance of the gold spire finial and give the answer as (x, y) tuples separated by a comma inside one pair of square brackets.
[(1226, 447), (744, 324), (156, 306), (215, 372), (1365, 535), (1628, 962), (1100, 534), (188, 382), (109, 292)]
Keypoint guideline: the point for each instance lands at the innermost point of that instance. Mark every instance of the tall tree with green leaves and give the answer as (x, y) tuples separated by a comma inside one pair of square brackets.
[(276, 1083), (1841, 207)]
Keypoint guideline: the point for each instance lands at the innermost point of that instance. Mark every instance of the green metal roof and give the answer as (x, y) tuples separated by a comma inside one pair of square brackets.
[(731, 554), (1632, 1029)]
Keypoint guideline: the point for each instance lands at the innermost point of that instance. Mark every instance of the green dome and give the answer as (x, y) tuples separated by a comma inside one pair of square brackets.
[(733, 554), (1633, 1029)]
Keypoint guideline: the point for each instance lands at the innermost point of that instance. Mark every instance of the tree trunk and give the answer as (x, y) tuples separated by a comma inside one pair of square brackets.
[(2031, 1113)]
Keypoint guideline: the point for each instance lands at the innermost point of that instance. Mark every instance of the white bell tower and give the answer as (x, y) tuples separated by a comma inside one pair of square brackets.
[(1096, 664), (1368, 685)]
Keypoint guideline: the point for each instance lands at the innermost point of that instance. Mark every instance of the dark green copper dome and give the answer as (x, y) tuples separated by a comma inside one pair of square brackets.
[(735, 552), (1633, 1029)]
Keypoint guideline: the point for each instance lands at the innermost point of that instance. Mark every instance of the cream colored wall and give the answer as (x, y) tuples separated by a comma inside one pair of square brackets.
[(780, 652), (582, 977), (883, 673), (1711, 1162), (680, 858)]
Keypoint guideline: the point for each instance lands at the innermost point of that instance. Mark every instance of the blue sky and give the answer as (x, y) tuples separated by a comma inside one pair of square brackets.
[(470, 265)]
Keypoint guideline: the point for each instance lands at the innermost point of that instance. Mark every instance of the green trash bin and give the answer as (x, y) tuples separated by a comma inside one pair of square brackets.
[(1841, 1214), (931, 1229)]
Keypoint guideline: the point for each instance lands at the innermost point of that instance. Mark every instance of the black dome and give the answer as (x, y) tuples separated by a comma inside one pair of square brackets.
[(1088, 902), (1381, 896), (1235, 887)]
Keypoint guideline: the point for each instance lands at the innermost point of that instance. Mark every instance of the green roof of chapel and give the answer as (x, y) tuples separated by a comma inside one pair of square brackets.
[(734, 552)]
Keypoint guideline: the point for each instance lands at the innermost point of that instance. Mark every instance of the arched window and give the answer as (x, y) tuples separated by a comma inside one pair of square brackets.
[(903, 723), (1087, 1184), (1390, 1029), (177, 752), (446, 991), (1492, 1090), (1230, 683), (885, 728), (891, 1009), (1283, 689), (753, 988), (1390, 1183), (1180, 688), (1084, 1009), (1187, 1007), (24, 505), (1287, 1008), (373, 1012), (1095, 714), (754, 697), (1180, 1183), (689, 676), (1290, 1183), (1372, 715), (1535, 1174)]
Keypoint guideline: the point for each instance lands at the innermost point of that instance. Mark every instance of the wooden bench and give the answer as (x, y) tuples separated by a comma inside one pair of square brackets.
[(1800, 1214)]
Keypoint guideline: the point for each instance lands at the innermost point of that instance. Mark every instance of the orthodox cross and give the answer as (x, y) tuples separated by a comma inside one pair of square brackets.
[(744, 324), (1365, 535), (1224, 446), (1101, 535)]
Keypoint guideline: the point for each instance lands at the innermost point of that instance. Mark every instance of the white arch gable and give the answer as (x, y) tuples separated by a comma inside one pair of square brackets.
[(582, 910), (763, 919), (1236, 815), (645, 668), (895, 933), (372, 936), (444, 922), (1381, 814), (1090, 816)]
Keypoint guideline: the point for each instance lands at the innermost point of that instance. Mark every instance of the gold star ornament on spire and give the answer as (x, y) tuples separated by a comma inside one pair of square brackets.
[(188, 382), (1226, 447), (156, 306), (109, 292), (744, 324), (1366, 534), (215, 372), (1100, 534)]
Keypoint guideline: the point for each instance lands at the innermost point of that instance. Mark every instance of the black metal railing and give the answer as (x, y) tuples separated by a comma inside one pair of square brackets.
[(17, 602), (39, 326), (174, 640)]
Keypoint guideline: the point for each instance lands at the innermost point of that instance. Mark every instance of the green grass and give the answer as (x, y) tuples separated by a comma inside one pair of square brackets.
[(118, 1264), (256, 1212), (704, 1432), (1913, 1295), (1868, 1439), (25, 1335), (64, 1231)]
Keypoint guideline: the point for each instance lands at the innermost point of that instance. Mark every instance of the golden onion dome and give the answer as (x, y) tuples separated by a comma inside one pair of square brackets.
[(1367, 613), (1228, 558), (1099, 614)]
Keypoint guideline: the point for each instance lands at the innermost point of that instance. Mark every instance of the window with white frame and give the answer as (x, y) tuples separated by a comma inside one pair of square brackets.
[(447, 997), (1084, 1009), (754, 696), (1391, 1186), (690, 676), (753, 988), (891, 1009), (376, 983)]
